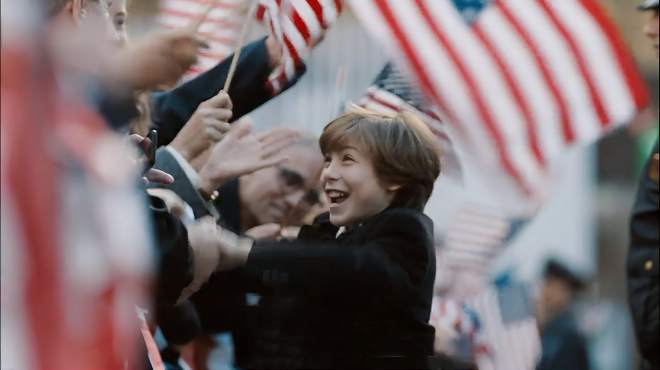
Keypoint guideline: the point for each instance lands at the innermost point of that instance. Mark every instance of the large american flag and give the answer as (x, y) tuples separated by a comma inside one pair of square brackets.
[(220, 29), (519, 81), (298, 25)]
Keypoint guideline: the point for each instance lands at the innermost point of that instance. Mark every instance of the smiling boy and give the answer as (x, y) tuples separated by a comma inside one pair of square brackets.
[(361, 296)]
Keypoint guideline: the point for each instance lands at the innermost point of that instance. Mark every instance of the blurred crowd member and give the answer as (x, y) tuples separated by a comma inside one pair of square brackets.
[(186, 254), (362, 275), (78, 253), (563, 346), (643, 253)]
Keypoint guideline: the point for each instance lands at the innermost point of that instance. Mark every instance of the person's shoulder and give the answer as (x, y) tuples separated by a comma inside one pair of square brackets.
[(402, 219)]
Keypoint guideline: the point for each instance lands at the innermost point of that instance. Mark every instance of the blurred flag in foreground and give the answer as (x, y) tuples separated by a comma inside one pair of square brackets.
[(75, 253), (518, 81)]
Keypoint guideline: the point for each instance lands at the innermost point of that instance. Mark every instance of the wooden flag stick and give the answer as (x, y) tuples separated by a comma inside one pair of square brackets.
[(239, 46)]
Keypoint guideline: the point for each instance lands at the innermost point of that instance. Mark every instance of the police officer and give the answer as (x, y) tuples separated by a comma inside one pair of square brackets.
[(643, 252)]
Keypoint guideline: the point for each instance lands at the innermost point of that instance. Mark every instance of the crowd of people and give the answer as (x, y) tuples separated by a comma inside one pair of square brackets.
[(311, 252)]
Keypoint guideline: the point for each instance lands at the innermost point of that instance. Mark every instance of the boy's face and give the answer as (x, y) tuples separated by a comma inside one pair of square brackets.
[(352, 187)]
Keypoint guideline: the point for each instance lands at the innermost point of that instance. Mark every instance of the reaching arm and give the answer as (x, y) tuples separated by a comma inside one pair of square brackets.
[(396, 257), (172, 109)]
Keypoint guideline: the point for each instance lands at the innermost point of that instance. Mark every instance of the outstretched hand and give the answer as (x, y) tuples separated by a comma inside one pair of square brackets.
[(241, 152), (207, 126), (158, 59)]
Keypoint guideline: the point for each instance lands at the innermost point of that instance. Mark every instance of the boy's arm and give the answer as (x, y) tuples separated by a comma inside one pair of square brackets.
[(396, 257)]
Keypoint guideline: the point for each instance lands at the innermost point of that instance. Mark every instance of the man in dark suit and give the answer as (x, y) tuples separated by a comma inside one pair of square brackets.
[(643, 252)]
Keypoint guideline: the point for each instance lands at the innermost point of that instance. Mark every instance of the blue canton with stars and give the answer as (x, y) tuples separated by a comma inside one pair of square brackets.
[(470, 9)]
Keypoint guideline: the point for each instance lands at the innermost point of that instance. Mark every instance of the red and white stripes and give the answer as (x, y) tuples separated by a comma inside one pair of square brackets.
[(504, 345), (383, 101), (220, 29), (297, 25), (475, 237), (527, 79)]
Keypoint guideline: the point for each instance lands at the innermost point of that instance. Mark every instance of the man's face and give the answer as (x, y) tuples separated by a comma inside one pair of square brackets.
[(651, 29), (272, 194)]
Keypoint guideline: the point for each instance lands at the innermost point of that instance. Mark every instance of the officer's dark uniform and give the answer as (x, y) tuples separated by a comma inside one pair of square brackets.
[(643, 254), (643, 263)]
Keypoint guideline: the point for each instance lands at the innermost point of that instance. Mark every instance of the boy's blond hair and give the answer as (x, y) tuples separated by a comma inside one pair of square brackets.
[(402, 148)]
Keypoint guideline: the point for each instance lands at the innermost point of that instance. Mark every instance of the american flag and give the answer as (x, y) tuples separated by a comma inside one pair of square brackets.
[(391, 92), (476, 236), (496, 327), (493, 319), (220, 29), (297, 25), (518, 80), (508, 333)]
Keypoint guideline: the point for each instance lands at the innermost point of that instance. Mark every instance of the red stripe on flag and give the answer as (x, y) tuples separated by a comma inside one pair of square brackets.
[(532, 134), (260, 13), (300, 24), (411, 55), (565, 118), (318, 12), (292, 50), (581, 63), (338, 6), (629, 70), (475, 94)]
